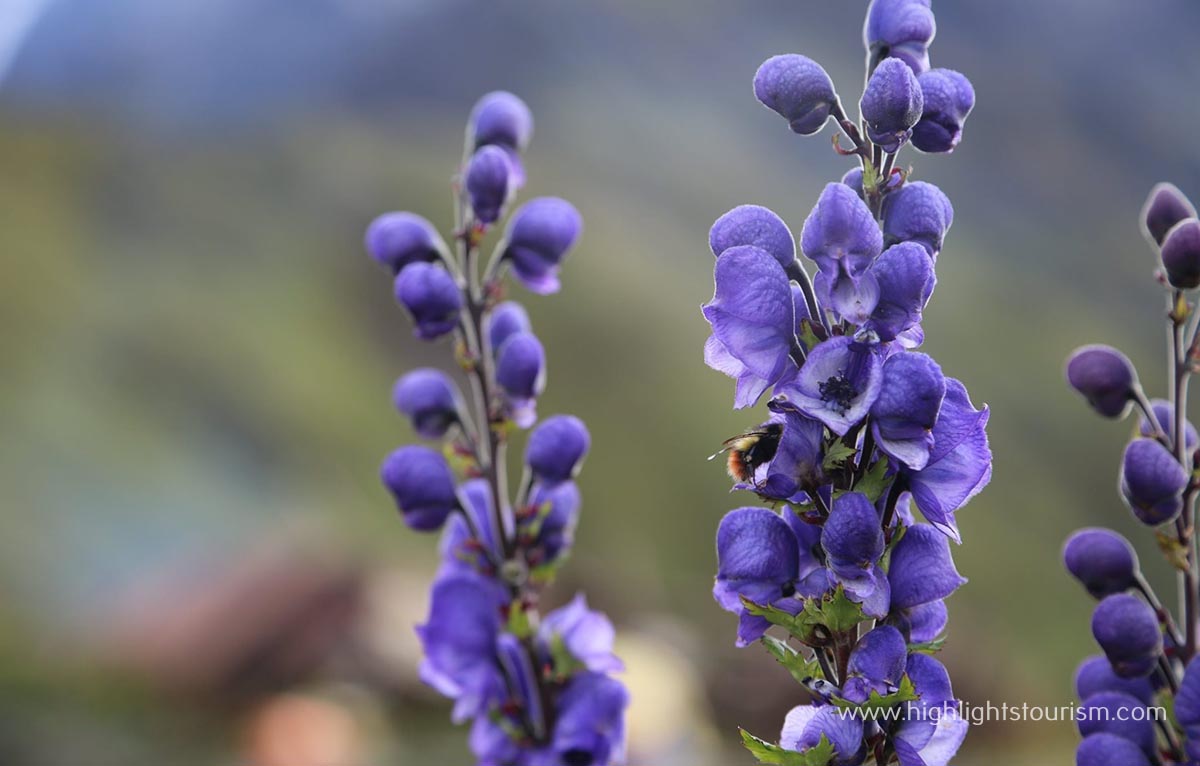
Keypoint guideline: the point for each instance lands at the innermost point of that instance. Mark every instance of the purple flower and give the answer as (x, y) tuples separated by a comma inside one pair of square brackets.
[(430, 400), (1181, 255), (798, 462), (1095, 675), (539, 235), (459, 639), (960, 463), (805, 725), (557, 513), (917, 212), (932, 730), (1109, 750), (753, 225), (900, 28), (842, 237), (1152, 482), (854, 179), (489, 182), (398, 239), (1187, 706), (1102, 560), (753, 316), (903, 416), (921, 574), (837, 385), (1165, 207), (1119, 714), (1164, 413), (473, 547), (1127, 630), (892, 104), (853, 543), (876, 664), (586, 635), (501, 119), (421, 484), (521, 372), (504, 321), (1105, 377), (431, 297), (590, 726), (949, 98), (557, 448), (906, 281), (798, 89)]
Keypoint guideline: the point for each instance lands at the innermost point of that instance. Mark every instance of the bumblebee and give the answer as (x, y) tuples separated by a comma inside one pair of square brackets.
[(751, 450)]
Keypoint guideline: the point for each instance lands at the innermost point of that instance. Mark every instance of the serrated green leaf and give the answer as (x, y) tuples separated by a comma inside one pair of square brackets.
[(870, 176), (837, 454), (905, 693), (834, 612), (875, 482), (801, 668), (774, 755), (928, 647)]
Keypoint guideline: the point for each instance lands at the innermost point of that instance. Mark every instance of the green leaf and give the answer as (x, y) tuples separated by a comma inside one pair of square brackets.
[(835, 613), (774, 755), (807, 336), (928, 647), (870, 177), (801, 669), (837, 455), (875, 482), (564, 663), (518, 623), (1165, 700), (877, 701)]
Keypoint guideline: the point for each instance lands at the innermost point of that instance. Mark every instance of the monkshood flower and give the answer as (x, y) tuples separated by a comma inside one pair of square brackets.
[(537, 690), (1102, 560), (1181, 255), (1165, 207), (1152, 481), (863, 435), (1105, 377), (1127, 630)]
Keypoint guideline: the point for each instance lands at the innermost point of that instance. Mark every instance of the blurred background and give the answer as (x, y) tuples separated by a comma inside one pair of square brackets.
[(197, 563)]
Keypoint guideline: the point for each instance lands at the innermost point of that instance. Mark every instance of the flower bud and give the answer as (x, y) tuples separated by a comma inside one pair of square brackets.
[(1119, 714), (1105, 377), (1127, 630), (798, 89), (398, 239), (506, 319), (1103, 749), (556, 448), (918, 212), (421, 484), (1181, 255), (1165, 207), (892, 104), (900, 28), (556, 523), (1165, 415), (854, 179), (1102, 560), (949, 98), (430, 400), (502, 119), (1187, 706), (488, 182), (852, 536), (754, 225), (539, 235), (431, 297), (1095, 674), (1152, 482), (521, 372)]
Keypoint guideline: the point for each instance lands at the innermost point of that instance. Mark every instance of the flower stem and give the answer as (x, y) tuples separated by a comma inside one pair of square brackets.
[(1189, 585)]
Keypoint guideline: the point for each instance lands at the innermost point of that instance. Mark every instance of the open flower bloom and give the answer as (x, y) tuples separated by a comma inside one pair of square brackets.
[(590, 724), (805, 726), (838, 384), (586, 635), (876, 664)]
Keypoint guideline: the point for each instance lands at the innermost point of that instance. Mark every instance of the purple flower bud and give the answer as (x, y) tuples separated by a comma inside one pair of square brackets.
[(806, 724), (1103, 749), (909, 400), (1102, 560), (900, 28), (949, 98), (503, 119), (753, 225), (918, 212), (1119, 714), (1105, 377), (430, 400), (1165, 207), (558, 514), (488, 182), (1181, 254), (431, 297), (421, 484), (521, 372), (798, 89), (852, 537), (586, 635), (506, 319), (539, 235), (556, 448), (398, 239), (892, 104), (1165, 415), (1152, 482), (1127, 630), (1095, 674), (1187, 705)]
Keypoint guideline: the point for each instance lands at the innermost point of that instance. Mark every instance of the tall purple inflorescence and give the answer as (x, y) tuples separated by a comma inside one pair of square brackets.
[(1148, 652), (538, 689), (864, 432)]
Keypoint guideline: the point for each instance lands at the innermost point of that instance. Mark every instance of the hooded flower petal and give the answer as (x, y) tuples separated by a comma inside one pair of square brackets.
[(1152, 482), (798, 89), (521, 372), (557, 513), (921, 569), (841, 228), (758, 557), (949, 98), (1095, 674), (1105, 749), (797, 465), (853, 541), (752, 312), (398, 239), (933, 730), (900, 28), (837, 385), (876, 664), (753, 225), (750, 387), (430, 400), (422, 485), (1165, 207), (507, 319), (556, 448), (926, 621), (1120, 714), (462, 550), (917, 212), (432, 298), (906, 281), (539, 235), (1127, 630), (590, 728), (1102, 560), (489, 182), (903, 416), (807, 724), (892, 104)]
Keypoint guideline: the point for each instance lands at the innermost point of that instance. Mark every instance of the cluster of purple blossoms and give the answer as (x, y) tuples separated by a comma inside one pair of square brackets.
[(1147, 659), (865, 435), (538, 688)]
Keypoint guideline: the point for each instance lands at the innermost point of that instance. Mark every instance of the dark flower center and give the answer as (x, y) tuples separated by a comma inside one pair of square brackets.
[(577, 758), (839, 392)]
